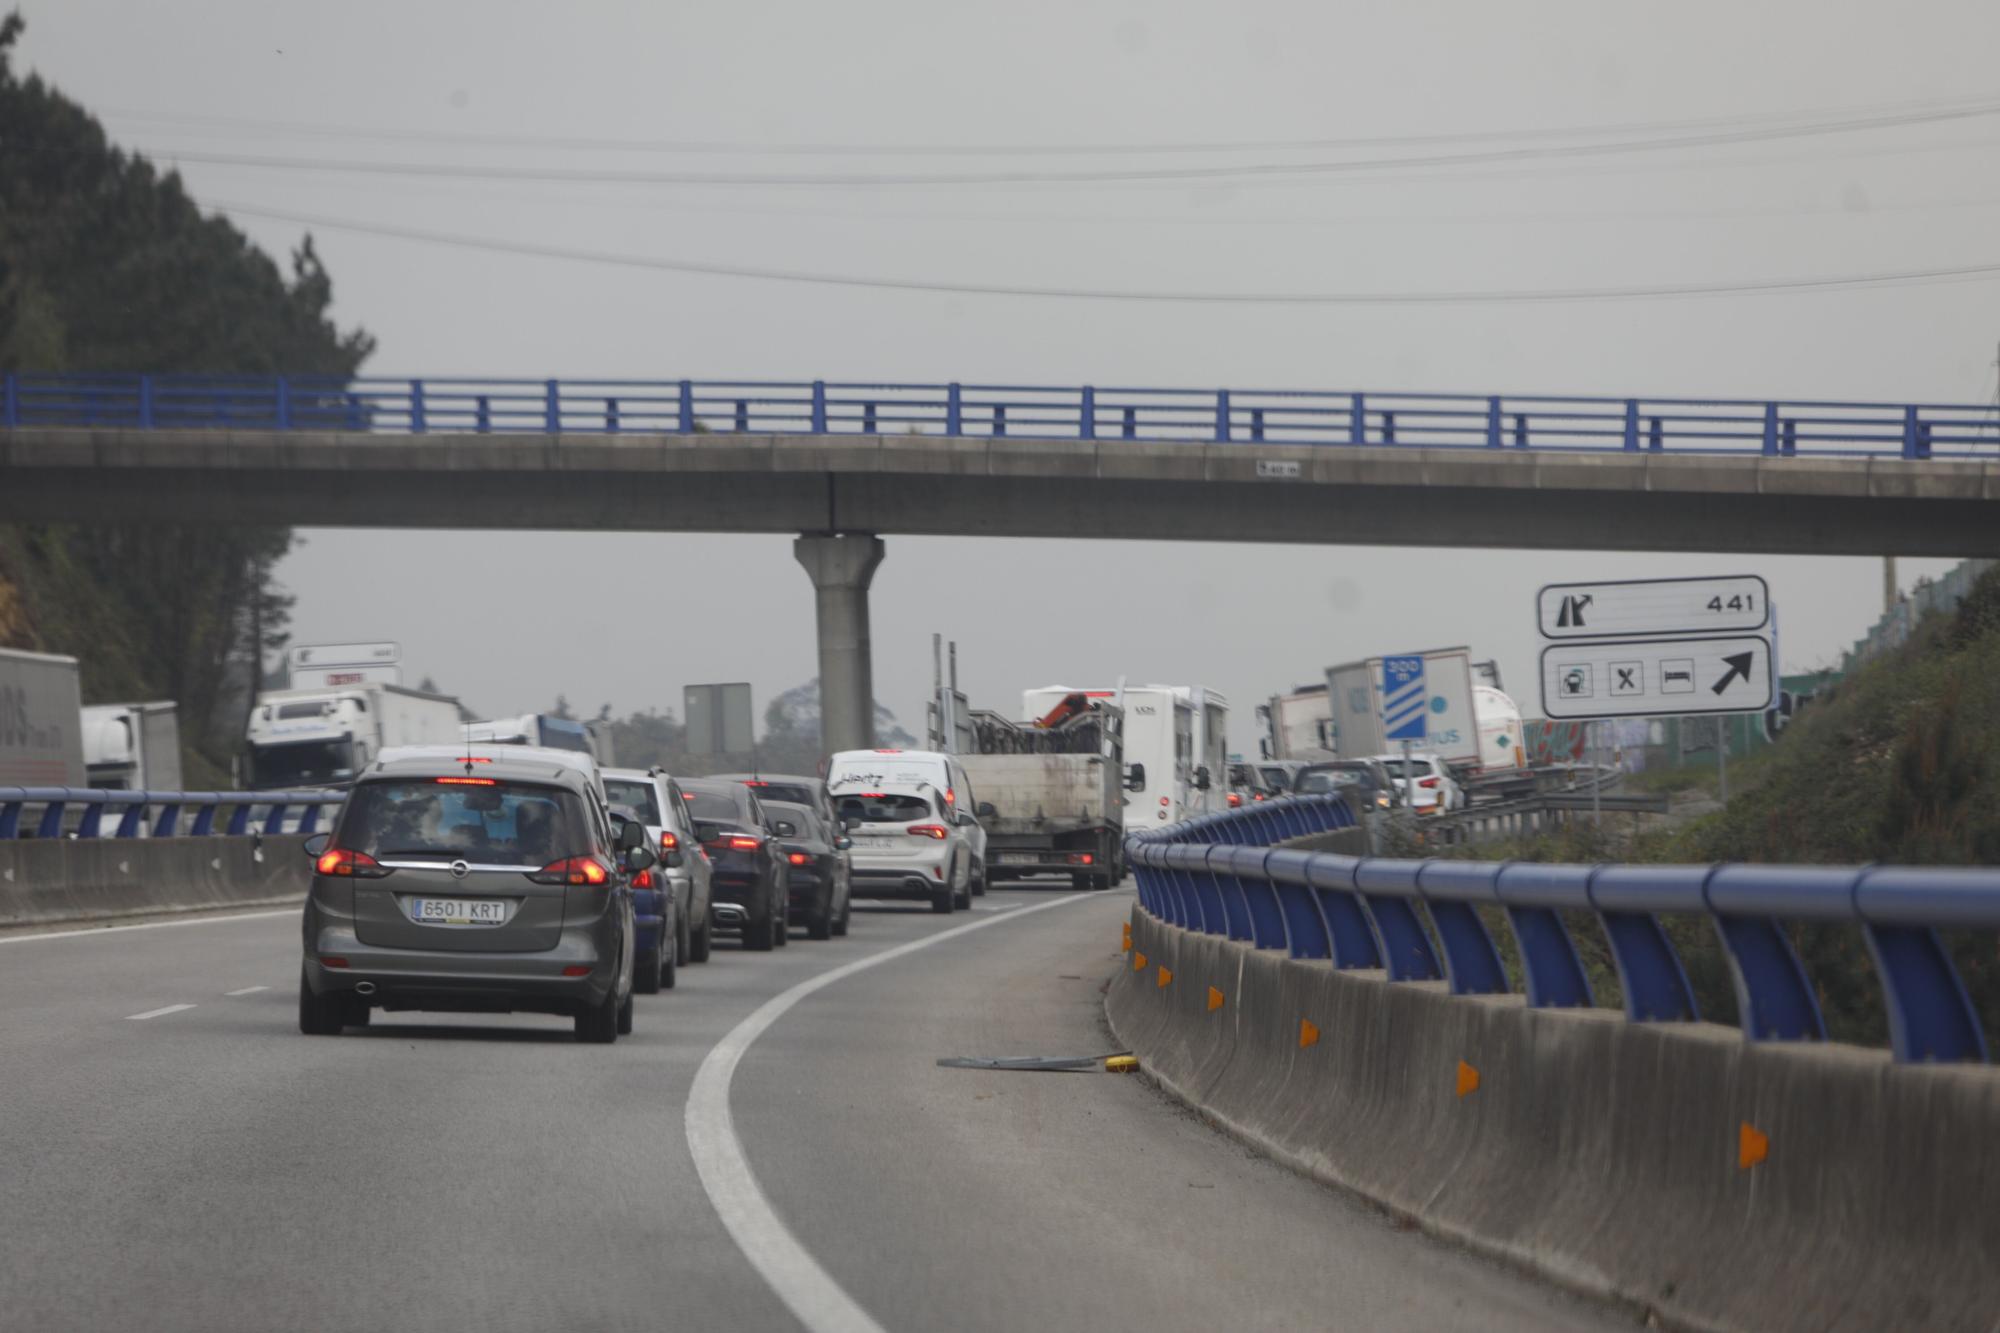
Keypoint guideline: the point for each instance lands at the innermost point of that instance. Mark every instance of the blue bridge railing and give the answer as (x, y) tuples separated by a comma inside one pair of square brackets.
[(86, 812), (1081, 412), (1218, 874)]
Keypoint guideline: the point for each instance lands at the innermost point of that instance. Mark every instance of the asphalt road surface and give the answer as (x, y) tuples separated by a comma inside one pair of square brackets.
[(177, 1156)]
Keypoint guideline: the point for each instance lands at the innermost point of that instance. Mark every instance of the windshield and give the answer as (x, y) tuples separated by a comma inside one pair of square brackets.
[(784, 791), (1421, 767), (301, 764), (883, 808), (711, 805), (636, 793), (1323, 780), (507, 823)]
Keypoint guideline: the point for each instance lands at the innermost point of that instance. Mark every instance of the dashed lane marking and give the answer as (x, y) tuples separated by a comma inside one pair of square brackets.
[(247, 990), (145, 925), (157, 1013), (808, 1290)]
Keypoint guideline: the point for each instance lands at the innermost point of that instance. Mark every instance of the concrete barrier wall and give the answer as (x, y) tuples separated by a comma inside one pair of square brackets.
[(55, 880), (1606, 1155)]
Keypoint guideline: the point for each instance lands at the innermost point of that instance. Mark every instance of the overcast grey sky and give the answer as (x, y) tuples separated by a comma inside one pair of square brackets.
[(366, 81)]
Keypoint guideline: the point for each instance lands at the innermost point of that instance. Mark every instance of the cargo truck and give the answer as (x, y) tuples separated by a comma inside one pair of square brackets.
[(133, 747), (323, 738), (1176, 741), (1051, 791), (1298, 725), (1474, 729), (41, 721)]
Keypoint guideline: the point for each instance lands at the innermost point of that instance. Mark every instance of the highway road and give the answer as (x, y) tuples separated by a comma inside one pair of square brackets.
[(178, 1156)]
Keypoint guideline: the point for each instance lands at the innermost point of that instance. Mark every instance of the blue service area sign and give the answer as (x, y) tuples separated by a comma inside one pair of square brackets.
[(1405, 701)]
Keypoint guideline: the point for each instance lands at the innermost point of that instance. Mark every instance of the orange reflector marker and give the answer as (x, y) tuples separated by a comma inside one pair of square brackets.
[(1308, 1033), (1214, 999), (1121, 1064), (1128, 937), (1166, 978), (1468, 1079), (1752, 1146), (1138, 962)]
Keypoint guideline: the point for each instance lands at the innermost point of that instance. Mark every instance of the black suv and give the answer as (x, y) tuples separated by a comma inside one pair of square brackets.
[(748, 887)]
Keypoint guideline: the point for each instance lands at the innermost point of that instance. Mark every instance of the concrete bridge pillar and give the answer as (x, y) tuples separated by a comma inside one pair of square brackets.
[(841, 566)]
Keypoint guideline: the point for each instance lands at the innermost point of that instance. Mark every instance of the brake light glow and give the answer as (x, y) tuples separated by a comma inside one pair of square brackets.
[(738, 842), (328, 960), (579, 870), (576, 970), (669, 841), (755, 782), (468, 782), (643, 880), (1235, 799), (1428, 784), (1081, 859), (874, 795), (950, 797), (937, 831), (1163, 800), (341, 861), (799, 859)]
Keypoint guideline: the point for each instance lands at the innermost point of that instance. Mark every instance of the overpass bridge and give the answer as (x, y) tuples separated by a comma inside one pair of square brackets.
[(840, 464)]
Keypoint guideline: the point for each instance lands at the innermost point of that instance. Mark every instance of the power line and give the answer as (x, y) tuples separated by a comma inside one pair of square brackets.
[(804, 148), (852, 180), (1965, 273)]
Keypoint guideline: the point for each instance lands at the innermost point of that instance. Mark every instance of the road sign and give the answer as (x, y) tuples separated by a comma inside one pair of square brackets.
[(718, 718), (1405, 701), (1648, 608), (1657, 677), (342, 654)]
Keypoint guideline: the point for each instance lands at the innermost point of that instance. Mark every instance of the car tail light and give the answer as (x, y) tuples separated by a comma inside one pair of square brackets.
[(1235, 800), (937, 831), (1428, 784), (1081, 859), (573, 870), (1258, 797), (799, 859), (468, 782), (328, 960), (340, 861), (576, 970), (669, 842), (742, 842), (1163, 800), (643, 880)]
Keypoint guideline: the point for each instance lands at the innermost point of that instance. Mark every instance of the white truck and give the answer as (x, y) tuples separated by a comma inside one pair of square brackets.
[(1051, 791), (41, 721), (1176, 739), (133, 747), (1475, 729), (546, 730), (323, 738), (1298, 725)]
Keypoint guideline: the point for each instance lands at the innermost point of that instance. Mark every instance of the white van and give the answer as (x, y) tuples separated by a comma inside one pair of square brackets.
[(912, 815)]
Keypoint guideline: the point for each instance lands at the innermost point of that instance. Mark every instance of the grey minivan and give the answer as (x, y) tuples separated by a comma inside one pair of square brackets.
[(474, 885)]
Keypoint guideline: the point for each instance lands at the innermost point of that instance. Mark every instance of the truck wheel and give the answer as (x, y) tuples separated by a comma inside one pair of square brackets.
[(942, 902)]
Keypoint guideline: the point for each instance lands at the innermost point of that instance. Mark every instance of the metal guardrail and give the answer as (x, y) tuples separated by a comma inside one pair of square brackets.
[(1081, 412), (1530, 814), (1218, 874), (132, 809)]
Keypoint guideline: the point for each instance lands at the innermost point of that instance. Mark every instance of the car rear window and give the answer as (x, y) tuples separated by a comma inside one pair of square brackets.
[(883, 808), (1326, 779), (1421, 767), (782, 791), (500, 822), (709, 805), (635, 793)]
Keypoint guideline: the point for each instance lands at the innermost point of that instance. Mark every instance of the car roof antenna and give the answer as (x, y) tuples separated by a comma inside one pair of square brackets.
[(468, 748)]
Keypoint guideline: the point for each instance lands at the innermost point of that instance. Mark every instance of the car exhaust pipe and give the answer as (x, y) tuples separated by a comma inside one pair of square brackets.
[(364, 988)]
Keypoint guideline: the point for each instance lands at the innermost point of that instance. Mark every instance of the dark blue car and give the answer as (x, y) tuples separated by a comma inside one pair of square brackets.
[(653, 908)]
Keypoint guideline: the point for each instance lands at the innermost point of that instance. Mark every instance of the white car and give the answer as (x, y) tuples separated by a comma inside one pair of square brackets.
[(904, 770), (907, 844), (1434, 791)]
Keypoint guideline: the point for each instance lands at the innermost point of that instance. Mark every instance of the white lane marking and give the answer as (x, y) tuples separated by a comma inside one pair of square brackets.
[(247, 990), (995, 907), (157, 1013), (146, 925), (808, 1291)]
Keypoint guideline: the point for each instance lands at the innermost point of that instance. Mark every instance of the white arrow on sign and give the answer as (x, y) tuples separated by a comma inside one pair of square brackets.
[(1657, 677), (1642, 608)]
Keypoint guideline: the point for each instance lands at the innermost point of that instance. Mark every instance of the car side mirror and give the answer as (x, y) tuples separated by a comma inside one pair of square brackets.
[(639, 858), (986, 810), (317, 844), (966, 819), (631, 836), (1135, 777), (843, 844), (785, 828), (1201, 778)]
